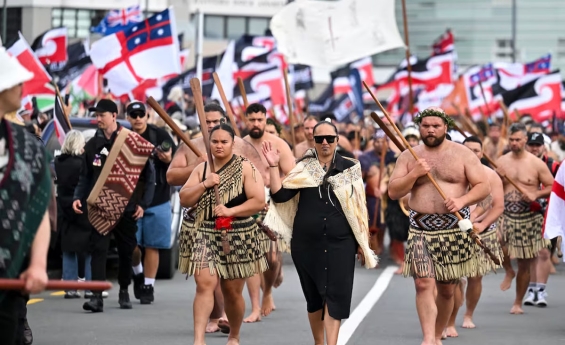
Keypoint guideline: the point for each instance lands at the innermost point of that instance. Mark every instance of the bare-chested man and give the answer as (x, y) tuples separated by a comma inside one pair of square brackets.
[(256, 115), (522, 218), (309, 124), (484, 216), (179, 171), (432, 265)]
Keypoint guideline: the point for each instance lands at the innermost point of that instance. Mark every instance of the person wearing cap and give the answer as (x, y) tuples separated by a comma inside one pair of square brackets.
[(541, 267), (154, 229), (25, 191), (115, 206)]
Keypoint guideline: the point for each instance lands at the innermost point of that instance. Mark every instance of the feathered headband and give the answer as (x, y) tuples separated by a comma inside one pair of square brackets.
[(433, 112)]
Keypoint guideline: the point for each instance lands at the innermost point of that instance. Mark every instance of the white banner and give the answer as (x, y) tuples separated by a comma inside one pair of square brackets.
[(329, 34)]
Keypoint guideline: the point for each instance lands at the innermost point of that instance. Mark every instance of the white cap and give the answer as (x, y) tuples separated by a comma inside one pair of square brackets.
[(12, 72)]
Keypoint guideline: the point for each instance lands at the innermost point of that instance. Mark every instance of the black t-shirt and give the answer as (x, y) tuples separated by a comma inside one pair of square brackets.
[(157, 136)]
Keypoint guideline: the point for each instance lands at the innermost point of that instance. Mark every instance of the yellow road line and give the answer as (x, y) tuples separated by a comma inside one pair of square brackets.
[(58, 293), (34, 300)]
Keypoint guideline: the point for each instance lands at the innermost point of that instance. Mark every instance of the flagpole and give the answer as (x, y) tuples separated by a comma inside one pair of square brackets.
[(514, 30), (199, 43), (146, 9), (4, 21), (408, 65)]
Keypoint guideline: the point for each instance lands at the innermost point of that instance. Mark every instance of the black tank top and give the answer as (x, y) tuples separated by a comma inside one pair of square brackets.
[(238, 200)]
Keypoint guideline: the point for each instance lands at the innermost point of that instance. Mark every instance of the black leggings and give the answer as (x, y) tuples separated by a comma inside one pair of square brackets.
[(13, 312)]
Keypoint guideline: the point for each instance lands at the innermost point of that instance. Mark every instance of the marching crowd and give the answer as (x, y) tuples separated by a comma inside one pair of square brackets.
[(326, 194)]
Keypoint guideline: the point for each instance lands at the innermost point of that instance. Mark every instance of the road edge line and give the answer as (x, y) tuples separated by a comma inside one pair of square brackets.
[(371, 298)]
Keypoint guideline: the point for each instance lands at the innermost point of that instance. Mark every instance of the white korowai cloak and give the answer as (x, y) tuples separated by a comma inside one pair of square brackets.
[(349, 190)]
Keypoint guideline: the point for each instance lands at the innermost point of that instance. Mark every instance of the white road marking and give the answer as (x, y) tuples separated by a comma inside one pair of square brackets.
[(350, 325)]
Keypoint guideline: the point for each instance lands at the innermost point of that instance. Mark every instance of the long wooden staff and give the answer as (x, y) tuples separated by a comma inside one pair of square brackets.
[(199, 103), (472, 233), (290, 111), (381, 172), (243, 93), (19, 284), (226, 103), (491, 162), (408, 65), (484, 98), (163, 114)]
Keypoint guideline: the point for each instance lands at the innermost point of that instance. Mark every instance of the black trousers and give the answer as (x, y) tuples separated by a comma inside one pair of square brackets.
[(124, 233), (13, 312)]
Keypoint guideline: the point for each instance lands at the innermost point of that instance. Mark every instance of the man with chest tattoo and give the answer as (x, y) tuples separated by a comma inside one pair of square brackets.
[(522, 219), (438, 252)]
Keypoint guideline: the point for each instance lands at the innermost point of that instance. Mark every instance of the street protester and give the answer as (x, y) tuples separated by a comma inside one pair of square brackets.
[(438, 252), (256, 117), (484, 216), (319, 209), (119, 182), (309, 124), (522, 219), (154, 228), (541, 268), (25, 193), (495, 143), (74, 229), (213, 253), (273, 128), (180, 169)]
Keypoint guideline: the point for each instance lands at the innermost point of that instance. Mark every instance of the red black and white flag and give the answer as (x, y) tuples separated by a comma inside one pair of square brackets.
[(444, 44), (51, 46), (540, 98), (61, 125)]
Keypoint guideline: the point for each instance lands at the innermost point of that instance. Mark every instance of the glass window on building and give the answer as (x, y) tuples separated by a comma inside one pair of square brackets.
[(258, 26), (214, 27), (77, 21), (236, 26)]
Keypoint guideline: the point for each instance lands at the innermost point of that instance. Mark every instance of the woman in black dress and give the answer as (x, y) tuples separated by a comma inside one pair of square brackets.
[(321, 206)]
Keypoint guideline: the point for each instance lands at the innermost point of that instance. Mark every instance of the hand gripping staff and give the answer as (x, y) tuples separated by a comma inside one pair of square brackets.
[(464, 224), (222, 223)]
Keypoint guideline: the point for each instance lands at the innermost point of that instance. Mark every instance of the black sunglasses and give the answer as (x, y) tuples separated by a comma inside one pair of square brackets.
[(329, 138), (136, 115)]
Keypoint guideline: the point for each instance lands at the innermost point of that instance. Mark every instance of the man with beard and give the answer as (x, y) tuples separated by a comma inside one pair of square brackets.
[(540, 269), (438, 252), (182, 165), (484, 216), (256, 115), (302, 147), (522, 219)]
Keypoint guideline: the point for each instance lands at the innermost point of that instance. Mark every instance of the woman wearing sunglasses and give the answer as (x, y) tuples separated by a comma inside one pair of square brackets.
[(320, 204)]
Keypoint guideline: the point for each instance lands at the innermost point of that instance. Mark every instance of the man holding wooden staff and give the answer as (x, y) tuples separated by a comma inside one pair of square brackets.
[(116, 188), (25, 193), (439, 253), (256, 115), (522, 219)]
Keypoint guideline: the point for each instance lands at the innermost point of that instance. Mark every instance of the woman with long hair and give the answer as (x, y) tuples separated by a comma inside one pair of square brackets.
[(223, 242), (320, 209)]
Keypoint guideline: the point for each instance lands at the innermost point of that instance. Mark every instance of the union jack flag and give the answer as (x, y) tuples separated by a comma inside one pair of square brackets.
[(119, 20), (486, 73)]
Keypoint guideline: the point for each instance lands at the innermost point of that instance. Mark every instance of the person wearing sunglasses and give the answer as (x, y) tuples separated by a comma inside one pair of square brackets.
[(154, 228), (320, 204)]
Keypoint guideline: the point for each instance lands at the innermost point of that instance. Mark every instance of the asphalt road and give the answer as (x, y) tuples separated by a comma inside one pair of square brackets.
[(391, 320)]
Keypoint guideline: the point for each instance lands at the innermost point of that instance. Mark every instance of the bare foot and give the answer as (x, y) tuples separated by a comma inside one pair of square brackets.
[(212, 326), (516, 310), (451, 332), (224, 326), (233, 341), (468, 322), (444, 334), (255, 316), (507, 282), (399, 270), (279, 279), (268, 305), (439, 341), (551, 268)]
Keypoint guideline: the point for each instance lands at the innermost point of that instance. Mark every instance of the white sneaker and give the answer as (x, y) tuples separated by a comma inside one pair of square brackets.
[(541, 301), (531, 297)]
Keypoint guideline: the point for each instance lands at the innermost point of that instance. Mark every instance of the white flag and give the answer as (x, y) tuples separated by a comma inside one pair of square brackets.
[(329, 34), (554, 221)]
